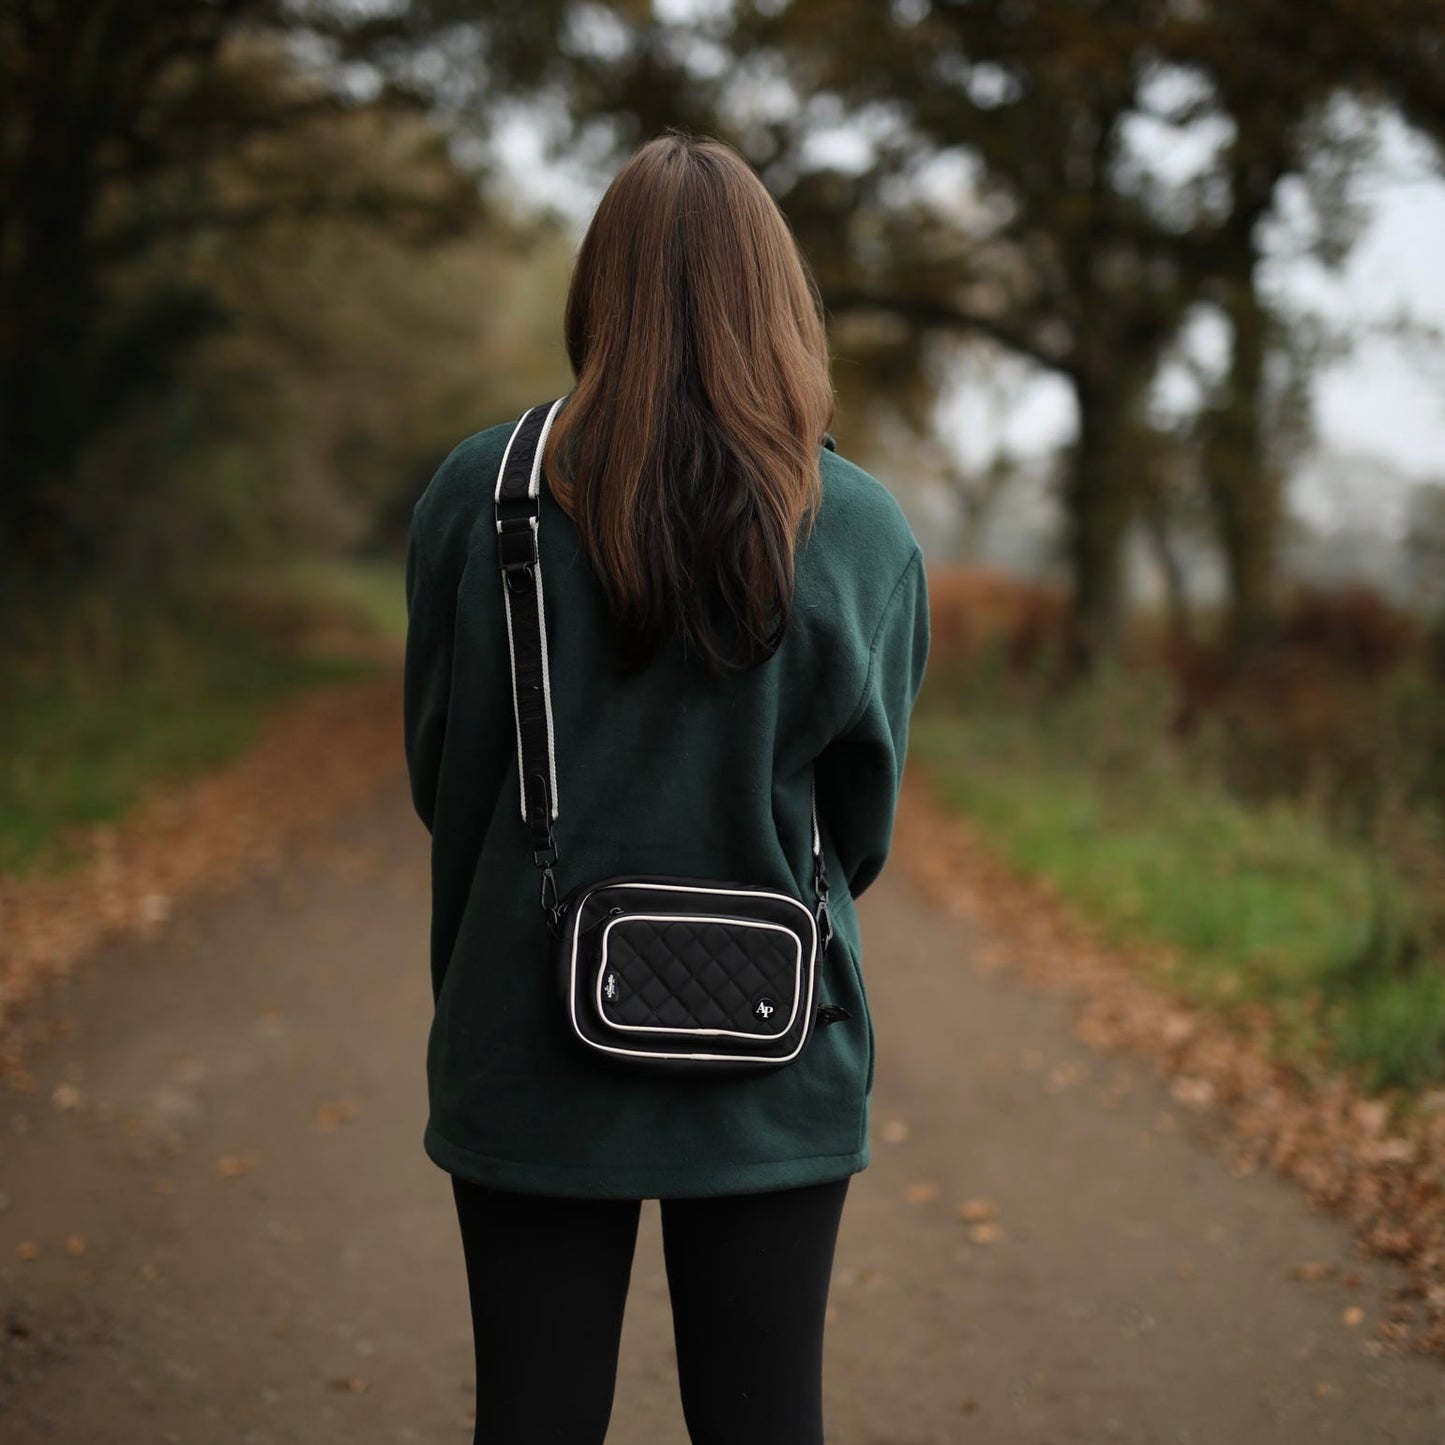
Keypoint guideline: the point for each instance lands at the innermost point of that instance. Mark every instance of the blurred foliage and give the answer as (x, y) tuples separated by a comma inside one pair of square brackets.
[(1018, 187), (245, 303), (1230, 844), (997, 174)]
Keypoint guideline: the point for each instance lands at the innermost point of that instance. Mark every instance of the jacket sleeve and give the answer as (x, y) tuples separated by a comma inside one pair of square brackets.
[(860, 771), (426, 687)]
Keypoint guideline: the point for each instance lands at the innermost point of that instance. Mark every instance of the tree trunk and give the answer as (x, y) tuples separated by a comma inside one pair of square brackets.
[(1099, 503), (1245, 490), (1176, 587)]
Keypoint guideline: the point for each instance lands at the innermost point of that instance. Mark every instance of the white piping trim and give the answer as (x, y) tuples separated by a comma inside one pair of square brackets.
[(546, 678), (516, 710), (534, 480), (657, 1053), (777, 1033)]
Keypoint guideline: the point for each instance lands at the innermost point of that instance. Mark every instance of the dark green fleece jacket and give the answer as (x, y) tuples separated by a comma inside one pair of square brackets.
[(667, 772)]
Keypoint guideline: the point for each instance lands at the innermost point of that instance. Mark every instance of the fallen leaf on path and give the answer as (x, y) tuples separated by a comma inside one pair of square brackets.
[(1312, 1271), (67, 1096), (923, 1192), (1187, 1270), (27, 1249), (1388, 1151), (1324, 1389), (894, 1131), (163, 1186), (331, 1114), (975, 1211), (350, 1384), (1192, 1093), (1372, 1115), (985, 1233), (1353, 1316), (153, 909), (231, 1166)]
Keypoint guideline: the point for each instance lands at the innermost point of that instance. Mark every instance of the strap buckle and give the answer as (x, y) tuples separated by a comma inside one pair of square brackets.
[(550, 906), (517, 548), (825, 923)]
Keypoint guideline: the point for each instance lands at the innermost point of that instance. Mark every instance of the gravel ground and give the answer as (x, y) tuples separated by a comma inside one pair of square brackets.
[(217, 1224)]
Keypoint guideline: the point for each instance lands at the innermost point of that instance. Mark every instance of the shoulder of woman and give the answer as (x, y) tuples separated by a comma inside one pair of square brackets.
[(859, 511), (459, 492)]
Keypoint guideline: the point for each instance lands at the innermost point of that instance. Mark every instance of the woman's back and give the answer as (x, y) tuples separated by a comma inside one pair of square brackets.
[(670, 770)]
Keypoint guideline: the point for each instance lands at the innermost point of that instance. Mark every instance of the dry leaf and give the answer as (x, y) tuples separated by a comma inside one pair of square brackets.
[(231, 1166), (331, 1114), (351, 1384), (985, 1233), (67, 1096), (27, 1249), (163, 1186), (1192, 1093), (894, 1131), (924, 1192), (1187, 1269), (976, 1210), (1311, 1271), (1353, 1316), (75, 1245)]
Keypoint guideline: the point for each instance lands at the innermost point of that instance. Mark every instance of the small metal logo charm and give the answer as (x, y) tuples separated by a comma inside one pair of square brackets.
[(764, 1008), (610, 988)]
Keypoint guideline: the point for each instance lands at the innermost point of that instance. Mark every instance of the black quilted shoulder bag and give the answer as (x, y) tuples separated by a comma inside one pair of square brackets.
[(694, 975)]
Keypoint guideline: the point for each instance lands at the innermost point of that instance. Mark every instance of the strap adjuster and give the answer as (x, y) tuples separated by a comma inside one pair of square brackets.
[(516, 547)]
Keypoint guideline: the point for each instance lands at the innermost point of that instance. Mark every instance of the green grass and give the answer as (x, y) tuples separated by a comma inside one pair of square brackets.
[(1243, 903), (115, 695)]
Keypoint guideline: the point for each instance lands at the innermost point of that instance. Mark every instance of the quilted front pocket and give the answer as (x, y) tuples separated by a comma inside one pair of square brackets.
[(699, 974)]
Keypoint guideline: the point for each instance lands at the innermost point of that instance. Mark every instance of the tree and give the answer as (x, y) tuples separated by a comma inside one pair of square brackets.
[(129, 129)]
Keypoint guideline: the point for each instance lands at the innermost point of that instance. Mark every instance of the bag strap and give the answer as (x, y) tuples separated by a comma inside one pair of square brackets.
[(517, 507)]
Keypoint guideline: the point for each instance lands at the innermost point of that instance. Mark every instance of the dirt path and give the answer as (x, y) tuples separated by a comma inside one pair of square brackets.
[(238, 1239)]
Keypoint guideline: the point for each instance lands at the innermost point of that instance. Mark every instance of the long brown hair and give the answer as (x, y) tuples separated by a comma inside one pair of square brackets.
[(687, 452)]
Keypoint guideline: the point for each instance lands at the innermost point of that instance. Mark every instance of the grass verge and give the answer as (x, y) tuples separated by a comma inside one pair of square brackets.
[(1236, 904), (114, 695)]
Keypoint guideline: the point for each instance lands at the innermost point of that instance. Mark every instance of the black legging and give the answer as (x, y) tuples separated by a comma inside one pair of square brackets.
[(748, 1278)]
